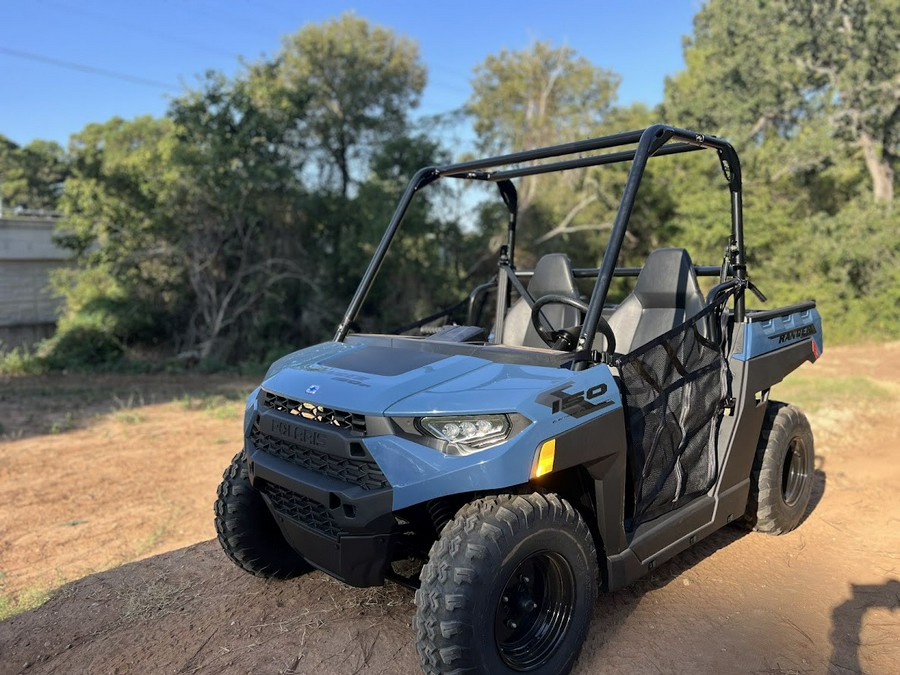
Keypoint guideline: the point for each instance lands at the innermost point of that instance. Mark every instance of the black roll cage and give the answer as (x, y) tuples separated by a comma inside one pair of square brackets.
[(654, 141)]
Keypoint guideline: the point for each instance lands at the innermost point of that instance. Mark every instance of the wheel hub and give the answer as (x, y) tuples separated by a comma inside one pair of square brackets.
[(534, 610), (794, 473)]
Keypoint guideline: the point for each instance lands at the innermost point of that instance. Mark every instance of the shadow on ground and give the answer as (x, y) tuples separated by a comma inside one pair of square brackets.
[(52, 404), (847, 623)]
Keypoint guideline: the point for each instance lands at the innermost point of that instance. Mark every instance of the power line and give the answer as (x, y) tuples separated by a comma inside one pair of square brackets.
[(221, 10), (91, 70), (102, 18)]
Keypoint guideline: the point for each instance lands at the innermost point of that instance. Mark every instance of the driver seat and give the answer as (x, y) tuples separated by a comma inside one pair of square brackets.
[(552, 275)]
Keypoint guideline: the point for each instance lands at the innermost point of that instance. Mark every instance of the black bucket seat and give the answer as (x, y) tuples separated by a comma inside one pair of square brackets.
[(552, 275), (666, 295)]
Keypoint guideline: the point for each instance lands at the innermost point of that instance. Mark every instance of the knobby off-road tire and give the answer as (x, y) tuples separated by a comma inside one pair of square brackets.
[(783, 471), (247, 531), (509, 587)]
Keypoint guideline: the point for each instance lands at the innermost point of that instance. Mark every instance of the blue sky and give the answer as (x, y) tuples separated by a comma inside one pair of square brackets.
[(141, 53)]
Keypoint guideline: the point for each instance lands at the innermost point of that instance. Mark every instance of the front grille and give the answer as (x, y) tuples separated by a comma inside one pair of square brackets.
[(348, 421), (362, 472), (301, 509)]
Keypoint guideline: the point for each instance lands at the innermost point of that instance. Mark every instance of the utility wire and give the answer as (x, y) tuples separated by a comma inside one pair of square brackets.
[(103, 18), (91, 70)]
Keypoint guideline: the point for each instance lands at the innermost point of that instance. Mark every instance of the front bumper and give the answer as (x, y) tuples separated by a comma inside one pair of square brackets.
[(328, 496)]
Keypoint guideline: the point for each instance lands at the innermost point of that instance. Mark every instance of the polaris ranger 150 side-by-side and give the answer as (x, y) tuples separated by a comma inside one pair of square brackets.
[(567, 446)]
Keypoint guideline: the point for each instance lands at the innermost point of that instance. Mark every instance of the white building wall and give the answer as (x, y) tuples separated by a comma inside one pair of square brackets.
[(28, 308)]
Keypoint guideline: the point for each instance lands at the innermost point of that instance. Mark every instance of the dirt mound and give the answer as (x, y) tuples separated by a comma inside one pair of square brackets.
[(192, 611), (824, 598)]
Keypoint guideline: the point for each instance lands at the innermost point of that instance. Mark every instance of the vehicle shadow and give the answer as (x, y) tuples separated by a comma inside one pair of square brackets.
[(847, 619), (613, 609), (818, 488)]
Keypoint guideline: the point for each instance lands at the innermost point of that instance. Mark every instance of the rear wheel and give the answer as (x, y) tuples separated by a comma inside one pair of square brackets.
[(509, 587), (783, 471), (247, 531)]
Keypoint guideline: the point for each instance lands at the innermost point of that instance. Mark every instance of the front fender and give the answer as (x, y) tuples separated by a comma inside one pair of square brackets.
[(582, 410)]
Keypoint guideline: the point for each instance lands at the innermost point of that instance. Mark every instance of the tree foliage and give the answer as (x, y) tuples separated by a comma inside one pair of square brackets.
[(241, 222), (236, 200), (540, 96), (809, 93), (778, 70), (32, 176), (126, 281), (359, 83), (235, 224)]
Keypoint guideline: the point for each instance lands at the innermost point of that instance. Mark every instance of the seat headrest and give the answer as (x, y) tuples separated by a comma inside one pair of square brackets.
[(553, 274), (667, 280)]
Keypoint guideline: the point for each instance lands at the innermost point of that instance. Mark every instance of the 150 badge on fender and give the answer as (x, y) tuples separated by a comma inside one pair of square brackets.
[(578, 404)]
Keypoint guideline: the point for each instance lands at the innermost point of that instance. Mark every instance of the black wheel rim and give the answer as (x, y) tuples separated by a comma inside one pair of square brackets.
[(794, 473), (534, 610)]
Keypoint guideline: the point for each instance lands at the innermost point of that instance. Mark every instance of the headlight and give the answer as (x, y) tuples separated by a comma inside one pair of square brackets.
[(469, 433)]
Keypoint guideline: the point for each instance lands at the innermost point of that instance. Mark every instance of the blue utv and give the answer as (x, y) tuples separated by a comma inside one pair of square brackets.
[(567, 446)]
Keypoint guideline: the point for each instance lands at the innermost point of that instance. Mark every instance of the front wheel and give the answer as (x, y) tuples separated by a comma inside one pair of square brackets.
[(509, 587), (247, 531)]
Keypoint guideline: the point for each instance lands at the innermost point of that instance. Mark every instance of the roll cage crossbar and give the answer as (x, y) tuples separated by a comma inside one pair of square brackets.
[(655, 141)]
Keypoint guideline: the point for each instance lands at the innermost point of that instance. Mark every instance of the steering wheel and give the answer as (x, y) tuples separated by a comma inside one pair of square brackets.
[(565, 339)]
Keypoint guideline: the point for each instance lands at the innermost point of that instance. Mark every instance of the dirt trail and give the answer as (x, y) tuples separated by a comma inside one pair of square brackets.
[(824, 598)]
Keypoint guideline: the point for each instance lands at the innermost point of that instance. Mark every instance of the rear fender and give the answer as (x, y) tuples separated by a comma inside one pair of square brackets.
[(767, 332), (777, 342)]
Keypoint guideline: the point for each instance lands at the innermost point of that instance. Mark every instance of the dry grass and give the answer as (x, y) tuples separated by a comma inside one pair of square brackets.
[(153, 599)]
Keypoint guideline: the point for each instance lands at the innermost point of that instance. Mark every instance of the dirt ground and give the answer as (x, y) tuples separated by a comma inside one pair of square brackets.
[(102, 471)]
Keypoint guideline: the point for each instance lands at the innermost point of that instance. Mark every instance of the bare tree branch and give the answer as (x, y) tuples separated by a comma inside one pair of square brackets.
[(564, 224), (555, 232)]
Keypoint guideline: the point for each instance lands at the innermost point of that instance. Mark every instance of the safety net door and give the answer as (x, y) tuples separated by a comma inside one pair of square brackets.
[(673, 391)]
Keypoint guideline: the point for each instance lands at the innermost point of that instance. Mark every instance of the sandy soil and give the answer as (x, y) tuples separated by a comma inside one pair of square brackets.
[(130, 481), (99, 471)]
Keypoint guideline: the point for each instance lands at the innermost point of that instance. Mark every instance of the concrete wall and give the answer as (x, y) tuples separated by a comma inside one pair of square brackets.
[(28, 309)]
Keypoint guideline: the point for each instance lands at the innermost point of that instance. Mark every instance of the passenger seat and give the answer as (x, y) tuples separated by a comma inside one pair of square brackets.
[(666, 295)]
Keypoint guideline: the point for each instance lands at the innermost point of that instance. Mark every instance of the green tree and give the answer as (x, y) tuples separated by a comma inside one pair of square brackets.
[(31, 177), (535, 97), (852, 52), (235, 205), (792, 71), (343, 89), (538, 96), (429, 257), (124, 288), (808, 92), (359, 81), (240, 221)]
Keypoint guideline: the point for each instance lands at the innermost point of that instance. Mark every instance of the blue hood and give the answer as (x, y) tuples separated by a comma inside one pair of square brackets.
[(379, 380), (363, 378)]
